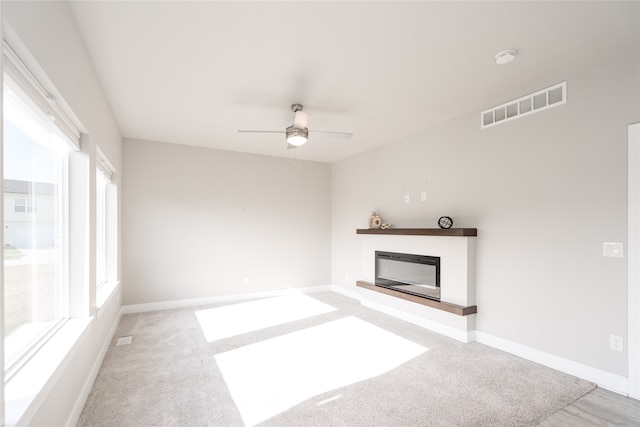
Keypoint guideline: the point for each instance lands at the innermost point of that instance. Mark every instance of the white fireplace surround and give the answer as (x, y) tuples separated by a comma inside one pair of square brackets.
[(457, 280)]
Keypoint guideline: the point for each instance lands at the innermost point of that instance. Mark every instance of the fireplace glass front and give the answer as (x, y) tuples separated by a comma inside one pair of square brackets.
[(413, 274)]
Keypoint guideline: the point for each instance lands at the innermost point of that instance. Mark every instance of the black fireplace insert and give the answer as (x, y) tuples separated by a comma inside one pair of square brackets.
[(413, 274)]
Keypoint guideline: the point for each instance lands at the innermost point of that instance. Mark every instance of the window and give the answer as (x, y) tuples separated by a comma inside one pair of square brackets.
[(105, 228), (101, 228), (36, 285), (25, 205)]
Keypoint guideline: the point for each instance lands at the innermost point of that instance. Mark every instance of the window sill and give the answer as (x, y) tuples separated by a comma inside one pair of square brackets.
[(105, 293), (28, 388)]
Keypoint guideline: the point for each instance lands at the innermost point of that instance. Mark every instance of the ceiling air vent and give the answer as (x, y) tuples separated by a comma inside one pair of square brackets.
[(532, 103)]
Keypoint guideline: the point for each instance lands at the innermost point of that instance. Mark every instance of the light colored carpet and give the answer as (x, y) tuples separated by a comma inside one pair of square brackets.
[(319, 360)]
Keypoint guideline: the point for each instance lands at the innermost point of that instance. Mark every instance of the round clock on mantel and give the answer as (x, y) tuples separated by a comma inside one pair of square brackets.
[(445, 222)]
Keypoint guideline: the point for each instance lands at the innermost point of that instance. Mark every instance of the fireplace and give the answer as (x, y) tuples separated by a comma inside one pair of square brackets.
[(413, 274)]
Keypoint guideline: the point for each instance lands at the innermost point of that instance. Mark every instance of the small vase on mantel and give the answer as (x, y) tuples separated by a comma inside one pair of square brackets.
[(375, 221)]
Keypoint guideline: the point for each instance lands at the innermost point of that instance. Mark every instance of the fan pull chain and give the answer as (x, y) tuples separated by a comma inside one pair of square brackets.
[(295, 159)]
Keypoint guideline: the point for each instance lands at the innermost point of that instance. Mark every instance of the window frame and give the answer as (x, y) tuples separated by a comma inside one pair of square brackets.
[(19, 83), (101, 230), (106, 229), (28, 346)]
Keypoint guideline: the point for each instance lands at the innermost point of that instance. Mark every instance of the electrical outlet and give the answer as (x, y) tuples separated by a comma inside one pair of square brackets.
[(616, 343), (407, 199), (245, 281), (423, 196)]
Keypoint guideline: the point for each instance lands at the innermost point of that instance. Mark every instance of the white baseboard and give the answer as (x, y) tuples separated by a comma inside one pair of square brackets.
[(456, 334), (93, 374), (346, 292), (609, 381), (224, 299), (613, 382)]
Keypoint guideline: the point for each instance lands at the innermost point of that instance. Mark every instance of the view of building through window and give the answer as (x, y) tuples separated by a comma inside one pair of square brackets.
[(35, 229), (27, 205)]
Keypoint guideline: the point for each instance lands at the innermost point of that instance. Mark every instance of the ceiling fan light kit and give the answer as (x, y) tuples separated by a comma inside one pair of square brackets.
[(297, 137), (298, 133)]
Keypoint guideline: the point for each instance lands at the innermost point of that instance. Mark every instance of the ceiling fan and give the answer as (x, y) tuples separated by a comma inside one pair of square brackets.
[(298, 133)]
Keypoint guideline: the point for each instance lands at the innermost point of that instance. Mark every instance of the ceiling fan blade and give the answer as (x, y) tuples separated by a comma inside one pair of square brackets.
[(291, 147), (300, 120), (261, 131), (337, 135)]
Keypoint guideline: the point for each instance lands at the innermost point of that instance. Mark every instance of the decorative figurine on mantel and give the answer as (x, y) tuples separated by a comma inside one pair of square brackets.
[(375, 221), (385, 226)]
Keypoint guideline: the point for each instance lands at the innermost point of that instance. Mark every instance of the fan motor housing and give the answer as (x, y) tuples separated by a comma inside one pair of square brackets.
[(297, 137), (291, 131)]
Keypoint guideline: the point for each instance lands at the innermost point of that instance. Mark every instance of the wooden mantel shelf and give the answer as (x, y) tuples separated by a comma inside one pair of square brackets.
[(458, 232), (444, 306)]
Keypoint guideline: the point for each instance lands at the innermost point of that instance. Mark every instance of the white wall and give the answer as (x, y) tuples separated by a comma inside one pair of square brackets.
[(197, 222), (544, 192), (49, 34)]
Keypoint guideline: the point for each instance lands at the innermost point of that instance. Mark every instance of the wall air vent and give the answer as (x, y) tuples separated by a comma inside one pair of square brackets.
[(532, 103)]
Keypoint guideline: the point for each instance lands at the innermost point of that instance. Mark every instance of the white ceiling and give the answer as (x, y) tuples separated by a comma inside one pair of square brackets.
[(196, 72)]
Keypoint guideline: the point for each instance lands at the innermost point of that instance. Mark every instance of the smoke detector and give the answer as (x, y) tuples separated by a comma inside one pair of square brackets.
[(505, 56)]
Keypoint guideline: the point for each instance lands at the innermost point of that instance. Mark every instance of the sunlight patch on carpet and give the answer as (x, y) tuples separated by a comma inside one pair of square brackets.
[(269, 377), (237, 319)]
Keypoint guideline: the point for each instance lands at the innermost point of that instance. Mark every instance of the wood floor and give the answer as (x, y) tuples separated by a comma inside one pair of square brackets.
[(598, 408)]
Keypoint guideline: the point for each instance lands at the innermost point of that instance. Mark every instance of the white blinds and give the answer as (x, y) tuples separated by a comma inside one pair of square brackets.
[(18, 73), (104, 166)]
